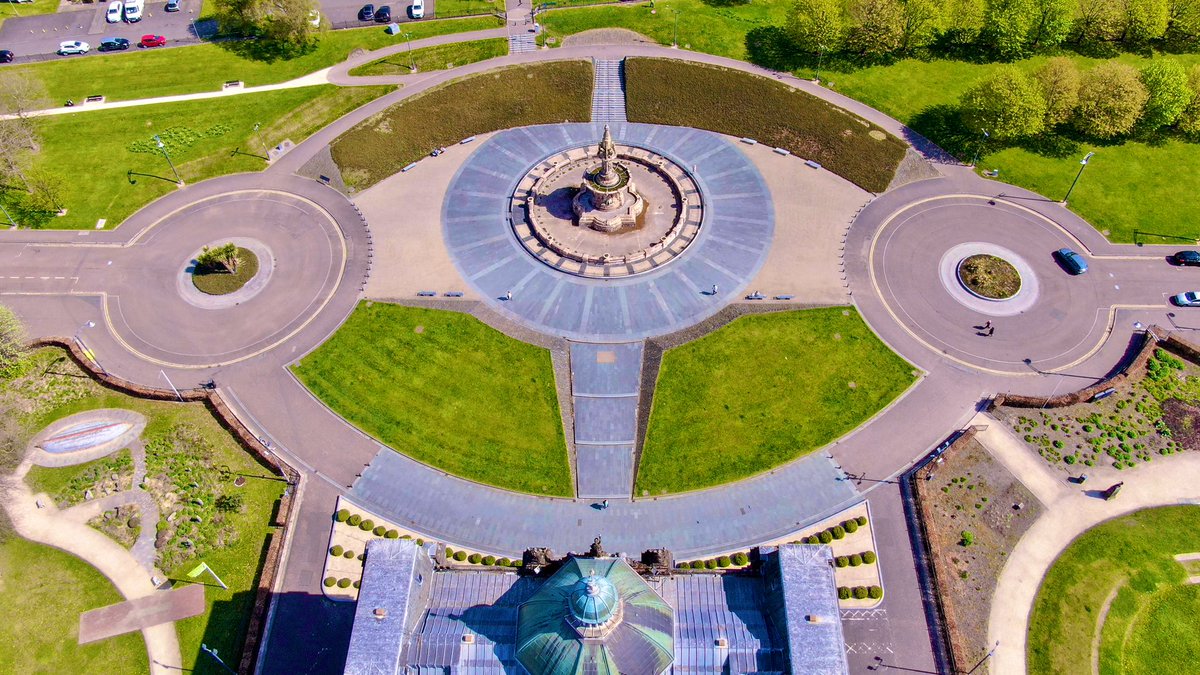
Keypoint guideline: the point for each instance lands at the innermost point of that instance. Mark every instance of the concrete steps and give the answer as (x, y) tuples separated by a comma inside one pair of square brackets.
[(608, 92), (521, 43)]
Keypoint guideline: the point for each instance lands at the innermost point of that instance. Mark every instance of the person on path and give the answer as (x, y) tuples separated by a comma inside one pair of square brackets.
[(991, 330), (604, 505), (508, 296), (988, 324), (714, 290)]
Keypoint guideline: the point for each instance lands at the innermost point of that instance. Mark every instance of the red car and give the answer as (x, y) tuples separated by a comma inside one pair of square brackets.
[(153, 41)]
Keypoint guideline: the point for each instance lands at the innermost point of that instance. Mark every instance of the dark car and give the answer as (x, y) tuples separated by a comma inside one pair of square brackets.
[(6, 56), (367, 13), (1071, 261), (113, 44), (172, 6), (153, 40), (383, 14), (1191, 258)]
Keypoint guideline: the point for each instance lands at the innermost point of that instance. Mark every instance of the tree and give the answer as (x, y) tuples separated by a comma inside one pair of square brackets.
[(817, 26), (962, 21), (45, 193), (879, 27), (284, 25), (921, 21), (1145, 20), (12, 338), (1006, 104), (1008, 26), (1183, 24), (1052, 21), (1059, 82), (1169, 94), (1189, 121), (225, 256), (1111, 99), (1098, 21), (20, 95)]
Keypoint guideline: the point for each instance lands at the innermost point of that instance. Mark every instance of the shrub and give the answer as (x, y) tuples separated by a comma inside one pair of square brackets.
[(505, 562), (850, 526), (741, 558), (697, 564), (825, 537), (380, 530), (683, 566), (968, 538), (1111, 99), (420, 541), (710, 564), (474, 558), (341, 516), (843, 593), (869, 557), (357, 584), (460, 555), (391, 534), (354, 520), (348, 554), (875, 592), (449, 552), (489, 560), (855, 559), (362, 556), (406, 536), (861, 520), (336, 550), (343, 583), (723, 561), (367, 525), (517, 563), (860, 592), (839, 532), (841, 561), (1007, 103), (329, 582)]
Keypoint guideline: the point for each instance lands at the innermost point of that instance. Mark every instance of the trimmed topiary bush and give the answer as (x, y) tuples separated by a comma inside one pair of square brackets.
[(354, 520), (380, 530), (357, 584), (869, 557), (406, 536), (449, 552), (504, 562), (861, 520), (841, 561), (329, 582), (460, 555), (341, 515), (348, 554), (391, 534), (367, 525), (489, 560), (860, 592), (420, 541), (343, 583), (850, 526), (710, 564), (825, 537), (875, 592), (336, 550), (362, 556), (517, 563), (474, 558), (740, 559), (855, 559), (843, 593), (683, 566), (812, 539), (839, 532), (697, 564), (724, 561)]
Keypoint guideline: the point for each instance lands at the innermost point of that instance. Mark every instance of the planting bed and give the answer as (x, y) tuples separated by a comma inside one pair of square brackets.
[(989, 277), (1155, 416)]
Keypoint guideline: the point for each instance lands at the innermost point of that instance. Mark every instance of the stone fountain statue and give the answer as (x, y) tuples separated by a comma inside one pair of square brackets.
[(607, 200)]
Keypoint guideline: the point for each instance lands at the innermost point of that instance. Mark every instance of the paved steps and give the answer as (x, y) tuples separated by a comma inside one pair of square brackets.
[(608, 92), (521, 43)]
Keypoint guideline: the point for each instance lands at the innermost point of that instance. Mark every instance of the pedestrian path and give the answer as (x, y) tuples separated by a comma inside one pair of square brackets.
[(608, 91), (605, 386), (522, 42)]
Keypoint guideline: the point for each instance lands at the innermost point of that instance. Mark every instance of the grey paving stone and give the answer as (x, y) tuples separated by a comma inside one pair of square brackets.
[(605, 471)]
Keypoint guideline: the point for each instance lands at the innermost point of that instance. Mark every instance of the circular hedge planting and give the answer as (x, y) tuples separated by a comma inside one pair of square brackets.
[(342, 515), (989, 277), (343, 583), (336, 550), (217, 280), (329, 582)]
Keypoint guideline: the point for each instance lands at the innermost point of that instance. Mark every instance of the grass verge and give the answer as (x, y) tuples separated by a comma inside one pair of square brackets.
[(448, 8), (1135, 554), (818, 374), (142, 73), (519, 96), (13, 10), (207, 138), (448, 391), (677, 93), (437, 57), (218, 281), (44, 592)]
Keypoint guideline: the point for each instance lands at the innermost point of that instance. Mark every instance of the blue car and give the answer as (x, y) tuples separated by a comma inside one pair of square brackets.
[(1071, 261)]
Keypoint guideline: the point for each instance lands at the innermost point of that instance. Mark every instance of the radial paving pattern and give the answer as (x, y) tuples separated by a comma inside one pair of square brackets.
[(731, 247)]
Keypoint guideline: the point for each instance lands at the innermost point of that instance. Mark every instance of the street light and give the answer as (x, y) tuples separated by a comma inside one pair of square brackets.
[(820, 57), (213, 653), (161, 146), (675, 33), (266, 154), (979, 149), (412, 64), (8, 216), (1082, 165)]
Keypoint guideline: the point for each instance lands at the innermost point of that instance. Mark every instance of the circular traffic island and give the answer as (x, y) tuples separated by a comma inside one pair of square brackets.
[(225, 277), (989, 277)]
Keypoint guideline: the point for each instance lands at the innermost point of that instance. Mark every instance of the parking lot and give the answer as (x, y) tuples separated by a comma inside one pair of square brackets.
[(344, 13), (35, 38)]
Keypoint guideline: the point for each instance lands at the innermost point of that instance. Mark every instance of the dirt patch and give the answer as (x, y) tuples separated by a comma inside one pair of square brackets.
[(607, 36), (974, 512)]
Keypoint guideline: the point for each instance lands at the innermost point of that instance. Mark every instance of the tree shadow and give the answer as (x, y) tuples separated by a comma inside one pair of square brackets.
[(267, 51), (943, 125)]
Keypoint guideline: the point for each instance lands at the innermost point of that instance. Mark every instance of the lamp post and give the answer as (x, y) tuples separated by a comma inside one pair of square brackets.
[(412, 63), (985, 658), (161, 146), (1082, 165), (8, 216), (266, 154), (820, 57), (213, 653), (979, 149), (675, 31)]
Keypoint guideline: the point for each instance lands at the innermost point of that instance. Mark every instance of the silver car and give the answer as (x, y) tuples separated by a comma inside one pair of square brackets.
[(1189, 299), (116, 9), (73, 47)]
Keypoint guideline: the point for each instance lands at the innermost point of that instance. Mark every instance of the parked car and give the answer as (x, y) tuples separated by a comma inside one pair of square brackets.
[(172, 6), (418, 9), (6, 56), (383, 14), (116, 10), (113, 44), (1071, 261), (73, 47), (1189, 258), (153, 41), (367, 13), (1189, 299)]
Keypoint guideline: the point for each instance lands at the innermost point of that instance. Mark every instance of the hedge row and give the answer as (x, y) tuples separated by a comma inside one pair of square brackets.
[(368, 525), (859, 592), (480, 559), (739, 559), (838, 531), (855, 559)]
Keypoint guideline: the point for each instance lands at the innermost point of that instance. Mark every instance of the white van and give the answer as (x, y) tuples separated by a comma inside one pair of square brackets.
[(133, 10)]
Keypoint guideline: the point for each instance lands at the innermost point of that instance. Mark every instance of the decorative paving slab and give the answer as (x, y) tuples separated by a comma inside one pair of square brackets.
[(605, 386)]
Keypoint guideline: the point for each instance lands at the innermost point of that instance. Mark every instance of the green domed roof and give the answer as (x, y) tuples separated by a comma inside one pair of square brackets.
[(595, 615)]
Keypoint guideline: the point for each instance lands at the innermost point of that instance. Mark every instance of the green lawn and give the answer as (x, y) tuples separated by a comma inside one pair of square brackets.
[(448, 391), (66, 485), (12, 10), (449, 8), (42, 593), (678, 93), (763, 391), (163, 72), (703, 27), (542, 93), (438, 57), (1151, 624), (205, 139), (185, 445)]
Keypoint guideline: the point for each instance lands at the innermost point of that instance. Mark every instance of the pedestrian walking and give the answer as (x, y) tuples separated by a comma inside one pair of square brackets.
[(714, 290), (604, 505), (991, 330), (987, 325), (508, 296)]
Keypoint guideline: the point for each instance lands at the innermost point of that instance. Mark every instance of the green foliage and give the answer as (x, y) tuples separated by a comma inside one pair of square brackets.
[(1166, 83), (1058, 81), (825, 536), (850, 526), (838, 532), (343, 583), (856, 559), (1189, 121), (741, 559), (841, 561), (336, 551), (225, 255), (1008, 27), (367, 525), (12, 340), (341, 515), (878, 27), (1052, 23), (723, 561), (437, 57), (229, 503), (1145, 21), (177, 139), (489, 560), (966, 538), (875, 592), (505, 562), (1111, 100), (869, 557), (354, 520), (329, 582), (1006, 104), (348, 554), (460, 556), (922, 21), (379, 530), (861, 520), (710, 564), (474, 558), (860, 592), (817, 26), (391, 534), (843, 592)]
